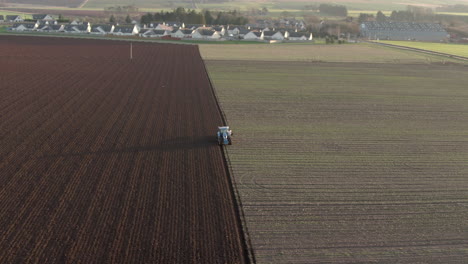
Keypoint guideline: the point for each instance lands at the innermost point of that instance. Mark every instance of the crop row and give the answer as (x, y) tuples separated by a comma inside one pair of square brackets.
[(349, 163)]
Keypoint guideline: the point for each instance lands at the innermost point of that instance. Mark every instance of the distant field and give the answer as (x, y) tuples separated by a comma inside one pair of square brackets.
[(138, 3), (453, 13), (309, 52), (7, 13), (275, 6), (454, 49), (349, 162), (65, 3)]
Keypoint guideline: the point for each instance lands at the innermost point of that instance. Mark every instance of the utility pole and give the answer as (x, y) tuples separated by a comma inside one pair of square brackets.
[(131, 50)]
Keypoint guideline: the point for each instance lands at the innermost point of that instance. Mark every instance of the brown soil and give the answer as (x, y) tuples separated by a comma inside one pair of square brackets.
[(104, 159)]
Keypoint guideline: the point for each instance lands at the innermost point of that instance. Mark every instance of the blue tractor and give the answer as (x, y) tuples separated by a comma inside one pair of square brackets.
[(224, 135)]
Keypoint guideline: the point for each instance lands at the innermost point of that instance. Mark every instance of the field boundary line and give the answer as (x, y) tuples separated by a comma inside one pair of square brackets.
[(247, 242), (420, 50)]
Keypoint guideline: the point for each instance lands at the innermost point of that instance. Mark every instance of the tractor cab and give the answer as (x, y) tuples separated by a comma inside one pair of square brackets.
[(224, 135)]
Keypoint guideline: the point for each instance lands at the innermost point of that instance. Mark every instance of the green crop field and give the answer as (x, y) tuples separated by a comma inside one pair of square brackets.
[(310, 52), (348, 162), (7, 13), (454, 49)]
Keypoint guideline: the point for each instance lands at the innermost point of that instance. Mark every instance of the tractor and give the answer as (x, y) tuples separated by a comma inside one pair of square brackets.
[(224, 135)]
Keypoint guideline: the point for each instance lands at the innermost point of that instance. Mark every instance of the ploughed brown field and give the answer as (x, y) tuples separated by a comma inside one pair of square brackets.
[(106, 159)]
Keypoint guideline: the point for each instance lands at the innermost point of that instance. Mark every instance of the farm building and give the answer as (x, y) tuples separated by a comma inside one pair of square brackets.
[(403, 31)]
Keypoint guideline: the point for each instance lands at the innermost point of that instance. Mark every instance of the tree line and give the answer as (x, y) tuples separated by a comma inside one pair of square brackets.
[(189, 16)]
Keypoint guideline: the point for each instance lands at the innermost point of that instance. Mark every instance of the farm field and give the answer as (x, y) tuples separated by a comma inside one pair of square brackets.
[(104, 159), (454, 49), (275, 6), (314, 53), (349, 162), (64, 3)]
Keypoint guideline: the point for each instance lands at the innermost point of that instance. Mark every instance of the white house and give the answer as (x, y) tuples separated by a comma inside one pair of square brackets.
[(205, 34), (254, 35)]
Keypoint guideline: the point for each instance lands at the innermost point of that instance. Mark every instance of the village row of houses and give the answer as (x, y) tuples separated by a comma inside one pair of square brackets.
[(167, 29)]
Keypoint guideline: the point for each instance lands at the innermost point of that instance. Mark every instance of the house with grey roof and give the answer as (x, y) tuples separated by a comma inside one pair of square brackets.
[(24, 27), (145, 32), (243, 32), (194, 26), (102, 29), (220, 29), (207, 34), (233, 30), (163, 26), (300, 36), (83, 28), (254, 35), (126, 30), (154, 33), (50, 28), (43, 17), (14, 18), (275, 35), (182, 33)]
